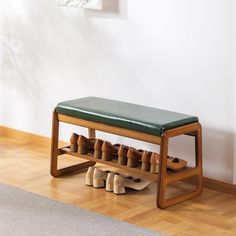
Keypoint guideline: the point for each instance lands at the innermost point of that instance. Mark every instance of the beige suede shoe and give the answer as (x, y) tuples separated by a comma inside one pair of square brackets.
[(89, 176), (99, 178), (119, 184), (110, 182), (124, 180)]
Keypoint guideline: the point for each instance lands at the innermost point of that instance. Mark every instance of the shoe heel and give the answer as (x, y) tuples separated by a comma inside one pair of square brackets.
[(119, 189), (97, 154), (107, 156), (109, 187), (122, 160), (98, 183), (132, 163), (83, 150), (73, 148), (89, 181), (145, 166), (154, 169)]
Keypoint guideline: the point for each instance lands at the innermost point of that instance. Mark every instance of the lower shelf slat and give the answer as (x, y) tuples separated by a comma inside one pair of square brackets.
[(113, 163)]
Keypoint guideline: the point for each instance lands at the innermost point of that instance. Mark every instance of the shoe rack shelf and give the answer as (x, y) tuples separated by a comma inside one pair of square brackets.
[(134, 170)]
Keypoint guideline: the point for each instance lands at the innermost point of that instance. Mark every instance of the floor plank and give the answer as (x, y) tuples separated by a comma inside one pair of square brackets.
[(26, 166)]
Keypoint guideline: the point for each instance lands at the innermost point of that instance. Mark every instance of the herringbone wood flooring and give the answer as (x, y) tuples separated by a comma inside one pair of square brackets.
[(26, 165)]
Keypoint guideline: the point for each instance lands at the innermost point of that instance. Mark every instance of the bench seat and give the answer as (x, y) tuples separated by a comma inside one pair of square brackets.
[(124, 115)]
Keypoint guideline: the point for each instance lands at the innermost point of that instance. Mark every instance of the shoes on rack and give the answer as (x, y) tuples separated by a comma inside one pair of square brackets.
[(122, 155), (146, 157), (98, 149), (175, 163), (109, 151), (116, 149), (85, 144), (133, 157), (73, 142)]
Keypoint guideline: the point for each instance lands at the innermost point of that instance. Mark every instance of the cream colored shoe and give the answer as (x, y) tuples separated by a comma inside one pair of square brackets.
[(99, 178), (119, 184), (89, 176), (110, 182), (154, 161)]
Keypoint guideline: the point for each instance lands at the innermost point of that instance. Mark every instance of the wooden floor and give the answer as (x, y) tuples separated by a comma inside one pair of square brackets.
[(26, 165)]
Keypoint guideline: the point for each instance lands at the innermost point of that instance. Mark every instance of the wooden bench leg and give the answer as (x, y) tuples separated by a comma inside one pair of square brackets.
[(54, 153), (91, 133), (164, 179)]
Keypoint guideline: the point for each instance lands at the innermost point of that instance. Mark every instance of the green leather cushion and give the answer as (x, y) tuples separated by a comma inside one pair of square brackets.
[(124, 115)]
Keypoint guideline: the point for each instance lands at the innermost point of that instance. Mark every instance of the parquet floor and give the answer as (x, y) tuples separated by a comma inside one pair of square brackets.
[(26, 166)]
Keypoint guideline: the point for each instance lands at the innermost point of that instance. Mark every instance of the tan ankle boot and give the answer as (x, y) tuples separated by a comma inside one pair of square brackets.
[(73, 142), (133, 156), (146, 156), (122, 155), (99, 178)]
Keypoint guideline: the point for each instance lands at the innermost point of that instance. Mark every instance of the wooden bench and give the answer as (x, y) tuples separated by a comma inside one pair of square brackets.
[(134, 121)]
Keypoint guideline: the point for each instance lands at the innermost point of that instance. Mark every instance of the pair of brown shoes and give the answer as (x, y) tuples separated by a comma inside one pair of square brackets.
[(101, 149), (81, 144), (150, 162)]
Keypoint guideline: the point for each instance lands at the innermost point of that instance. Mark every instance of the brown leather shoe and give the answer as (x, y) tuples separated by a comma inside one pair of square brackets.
[(146, 156), (73, 142), (154, 161), (98, 149), (122, 154), (107, 151), (116, 149), (83, 145), (133, 157), (175, 163)]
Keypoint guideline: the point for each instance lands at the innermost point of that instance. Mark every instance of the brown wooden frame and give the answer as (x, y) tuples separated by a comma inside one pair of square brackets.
[(164, 178)]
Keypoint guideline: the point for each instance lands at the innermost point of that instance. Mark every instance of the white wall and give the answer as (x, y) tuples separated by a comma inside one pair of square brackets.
[(173, 54), (234, 76)]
